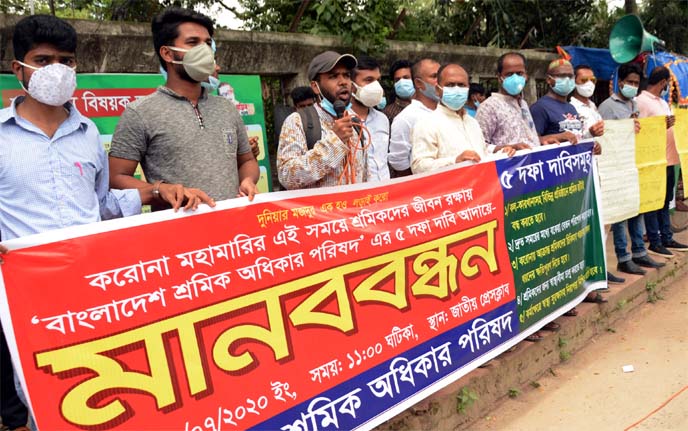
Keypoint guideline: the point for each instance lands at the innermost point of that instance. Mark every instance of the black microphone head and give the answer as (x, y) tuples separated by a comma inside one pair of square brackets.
[(339, 107), (355, 120)]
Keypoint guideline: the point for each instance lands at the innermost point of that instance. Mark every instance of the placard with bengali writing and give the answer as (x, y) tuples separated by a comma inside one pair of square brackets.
[(650, 156), (322, 309)]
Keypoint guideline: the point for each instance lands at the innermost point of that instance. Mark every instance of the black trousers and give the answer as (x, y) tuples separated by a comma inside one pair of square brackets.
[(12, 411)]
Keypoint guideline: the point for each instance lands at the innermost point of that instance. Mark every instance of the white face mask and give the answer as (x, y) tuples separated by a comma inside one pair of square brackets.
[(369, 95), (587, 89), (198, 62), (52, 85)]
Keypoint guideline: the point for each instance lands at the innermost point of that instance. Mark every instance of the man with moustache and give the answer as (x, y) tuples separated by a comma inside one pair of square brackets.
[(329, 161)]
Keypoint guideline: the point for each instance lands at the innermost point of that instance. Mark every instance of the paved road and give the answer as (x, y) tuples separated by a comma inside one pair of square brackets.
[(591, 392)]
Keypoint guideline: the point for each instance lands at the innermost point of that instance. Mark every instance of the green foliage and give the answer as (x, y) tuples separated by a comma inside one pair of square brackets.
[(513, 393), (535, 385), (667, 19), (465, 399)]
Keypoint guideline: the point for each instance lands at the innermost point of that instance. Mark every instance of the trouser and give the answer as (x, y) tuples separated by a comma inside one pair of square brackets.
[(635, 230), (13, 412), (658, 223)]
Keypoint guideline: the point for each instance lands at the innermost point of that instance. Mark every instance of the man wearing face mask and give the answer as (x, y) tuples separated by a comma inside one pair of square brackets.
[(403, 88), (593, 125), (657, 223), (556, 120), (619, 106), (476, 96), (337, 157), (449, 136), (504, 117), (53, 168), (367, 92), (425, 79), (192, 146)]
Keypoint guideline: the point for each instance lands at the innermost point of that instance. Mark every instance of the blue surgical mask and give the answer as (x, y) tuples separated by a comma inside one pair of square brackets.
[(563, 86), (382, 103), (212, 84), (629, 91), (454, 97), (404, 88), (429, 92), (329, 107), (514, 84), (163, 72), (476, 103)]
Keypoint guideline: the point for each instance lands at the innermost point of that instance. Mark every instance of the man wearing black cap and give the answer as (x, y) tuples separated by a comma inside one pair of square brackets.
[(336, 157)]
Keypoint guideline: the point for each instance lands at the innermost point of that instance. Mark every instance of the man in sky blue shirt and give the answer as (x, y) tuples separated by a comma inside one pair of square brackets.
[(53, 168)]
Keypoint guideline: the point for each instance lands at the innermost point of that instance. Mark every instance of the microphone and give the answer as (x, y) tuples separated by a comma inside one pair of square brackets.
[(339, 107)]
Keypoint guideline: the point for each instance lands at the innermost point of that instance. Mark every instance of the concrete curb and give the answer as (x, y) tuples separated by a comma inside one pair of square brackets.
[(473, 396)]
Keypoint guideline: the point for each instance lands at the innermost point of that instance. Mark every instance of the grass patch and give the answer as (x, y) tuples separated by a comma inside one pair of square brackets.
[(465, 399)]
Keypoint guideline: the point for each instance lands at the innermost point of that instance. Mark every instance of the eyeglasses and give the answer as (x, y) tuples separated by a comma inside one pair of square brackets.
[(561, 75), (584, 80)]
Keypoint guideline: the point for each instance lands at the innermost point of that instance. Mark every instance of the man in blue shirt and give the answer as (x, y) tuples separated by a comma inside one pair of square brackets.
[(53, 168), (556, 120)]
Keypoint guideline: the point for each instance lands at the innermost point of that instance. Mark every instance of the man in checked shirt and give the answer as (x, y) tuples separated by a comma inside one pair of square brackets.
[(301, 167)]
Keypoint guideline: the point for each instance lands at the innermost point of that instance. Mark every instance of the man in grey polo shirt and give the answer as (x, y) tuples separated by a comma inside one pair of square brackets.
[(193, 147), (619, 106)]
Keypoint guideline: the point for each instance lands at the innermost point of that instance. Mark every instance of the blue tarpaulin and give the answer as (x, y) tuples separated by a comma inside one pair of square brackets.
[(604, 66)]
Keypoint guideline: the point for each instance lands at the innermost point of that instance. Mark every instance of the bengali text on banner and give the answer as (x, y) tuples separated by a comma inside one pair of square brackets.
[(308, 310)]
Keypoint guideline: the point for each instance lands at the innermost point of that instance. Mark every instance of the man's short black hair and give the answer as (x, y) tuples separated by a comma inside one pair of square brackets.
[(399, 64), (500, 60), (476, 88), (299, 94), (658, 74), (628, 68), (37, 29), (365, 62), (165, 26), (581, 67)]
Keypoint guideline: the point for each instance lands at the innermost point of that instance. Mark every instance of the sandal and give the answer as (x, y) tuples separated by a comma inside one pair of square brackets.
[(552, 326), (572, 312), (596, 299), (535, 337)]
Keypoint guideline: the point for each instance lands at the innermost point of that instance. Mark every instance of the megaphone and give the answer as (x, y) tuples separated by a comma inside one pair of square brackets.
[(628, 38)]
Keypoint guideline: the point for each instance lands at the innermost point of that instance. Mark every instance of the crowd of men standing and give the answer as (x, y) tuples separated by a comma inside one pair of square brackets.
[(194, 149)]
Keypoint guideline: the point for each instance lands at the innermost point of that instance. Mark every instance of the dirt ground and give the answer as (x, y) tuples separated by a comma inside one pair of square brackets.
[(591, 391)]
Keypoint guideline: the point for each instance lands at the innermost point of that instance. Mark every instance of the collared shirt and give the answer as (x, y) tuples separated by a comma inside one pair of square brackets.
[(323, 165), (506, 120), (378, 125), (54, 182), (180, 143), (395, 108), (400, 136), (650, 105), (441, 137), (587, 112), (615, 108)]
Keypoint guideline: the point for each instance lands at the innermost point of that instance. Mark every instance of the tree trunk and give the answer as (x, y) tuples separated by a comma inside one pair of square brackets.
[(631, 7), (52, 7)]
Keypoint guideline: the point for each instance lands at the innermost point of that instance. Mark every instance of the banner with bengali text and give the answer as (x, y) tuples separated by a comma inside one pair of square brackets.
[(632, 167), (331, 309)]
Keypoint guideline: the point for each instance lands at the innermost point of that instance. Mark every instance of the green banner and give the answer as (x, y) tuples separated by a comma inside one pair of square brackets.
[(102, 98)]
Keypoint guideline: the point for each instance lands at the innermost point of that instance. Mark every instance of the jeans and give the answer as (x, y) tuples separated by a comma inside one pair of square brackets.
[(635, 230), (22, 397), (657, 223)]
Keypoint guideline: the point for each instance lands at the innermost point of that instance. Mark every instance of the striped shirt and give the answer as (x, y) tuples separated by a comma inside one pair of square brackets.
[(323, 165), (54, 182)]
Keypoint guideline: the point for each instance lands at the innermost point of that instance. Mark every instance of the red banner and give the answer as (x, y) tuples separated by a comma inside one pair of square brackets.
[(265, 315), (100, 102)]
